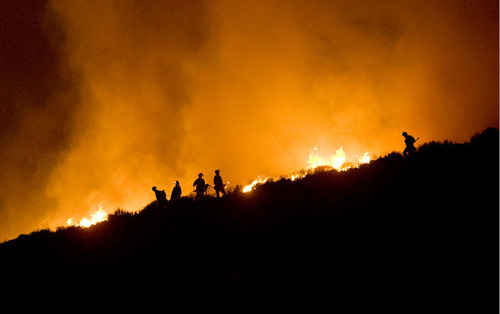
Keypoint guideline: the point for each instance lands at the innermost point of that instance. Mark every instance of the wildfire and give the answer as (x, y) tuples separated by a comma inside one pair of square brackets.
[(259, 180), (338, 161), (98, 216), (365, 159)]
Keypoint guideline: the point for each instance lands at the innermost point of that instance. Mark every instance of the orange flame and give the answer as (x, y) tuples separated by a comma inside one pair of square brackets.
[(338, 161), (259, 180), (98, 216)]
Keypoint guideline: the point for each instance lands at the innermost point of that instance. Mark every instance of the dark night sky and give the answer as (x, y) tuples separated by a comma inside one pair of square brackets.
[(100, 100)]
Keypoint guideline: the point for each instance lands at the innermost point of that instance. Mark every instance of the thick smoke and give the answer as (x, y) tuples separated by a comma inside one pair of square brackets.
[(103, 99), (36, 104)]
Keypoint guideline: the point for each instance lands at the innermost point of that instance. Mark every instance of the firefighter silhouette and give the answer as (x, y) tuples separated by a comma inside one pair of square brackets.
[(161, 197), (176, 192), (410, 144), (219, 185), (199, 186)]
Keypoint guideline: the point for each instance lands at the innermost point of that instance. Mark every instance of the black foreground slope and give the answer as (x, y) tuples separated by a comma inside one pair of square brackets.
[(398, 235)]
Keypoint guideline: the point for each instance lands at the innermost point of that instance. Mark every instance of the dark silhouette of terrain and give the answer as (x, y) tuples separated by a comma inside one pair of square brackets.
[(402, 235)]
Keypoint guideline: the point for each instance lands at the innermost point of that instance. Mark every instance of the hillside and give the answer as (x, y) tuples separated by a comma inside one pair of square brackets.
[(398, 235)]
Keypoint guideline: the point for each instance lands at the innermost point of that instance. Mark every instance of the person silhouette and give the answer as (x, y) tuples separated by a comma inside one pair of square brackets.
[(176, 192), (199, 186), (410, 147), (161, 197), (219, 184)]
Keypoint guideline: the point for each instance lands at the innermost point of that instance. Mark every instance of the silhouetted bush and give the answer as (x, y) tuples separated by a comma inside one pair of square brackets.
[(396, 235)]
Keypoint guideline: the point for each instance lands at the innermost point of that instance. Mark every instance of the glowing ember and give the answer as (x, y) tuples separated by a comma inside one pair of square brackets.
[(96, 217), (338, 161)]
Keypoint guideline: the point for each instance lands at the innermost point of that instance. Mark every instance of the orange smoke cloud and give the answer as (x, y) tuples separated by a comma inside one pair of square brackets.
[(166, 90)]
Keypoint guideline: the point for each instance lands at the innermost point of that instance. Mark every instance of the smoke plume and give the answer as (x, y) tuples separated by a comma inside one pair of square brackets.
[(101, 100)]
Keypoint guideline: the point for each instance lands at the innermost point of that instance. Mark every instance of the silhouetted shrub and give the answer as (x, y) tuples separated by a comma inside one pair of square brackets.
[(397, 235)]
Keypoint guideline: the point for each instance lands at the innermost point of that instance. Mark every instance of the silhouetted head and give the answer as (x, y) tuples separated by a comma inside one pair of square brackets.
[(176, 182), (153, 188), (200, 175), (217, 171), (404, 134)]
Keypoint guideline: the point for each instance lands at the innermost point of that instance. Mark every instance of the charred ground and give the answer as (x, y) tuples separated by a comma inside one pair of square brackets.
[(398, 235)]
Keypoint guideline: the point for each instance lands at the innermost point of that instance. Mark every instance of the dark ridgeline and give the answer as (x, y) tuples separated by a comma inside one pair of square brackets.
[(402, 235)]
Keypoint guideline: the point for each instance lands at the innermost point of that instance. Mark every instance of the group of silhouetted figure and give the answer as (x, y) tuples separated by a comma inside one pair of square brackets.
[(200, 187)]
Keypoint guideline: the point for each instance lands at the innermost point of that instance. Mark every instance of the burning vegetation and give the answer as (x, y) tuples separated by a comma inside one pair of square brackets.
[(95, 217), (368, 239), (338, 162), (316, 162)]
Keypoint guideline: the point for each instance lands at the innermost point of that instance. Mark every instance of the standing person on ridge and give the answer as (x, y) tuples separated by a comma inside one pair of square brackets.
[(219, 184), (410, 147), (161, 197), (176, 192), (199, 186)]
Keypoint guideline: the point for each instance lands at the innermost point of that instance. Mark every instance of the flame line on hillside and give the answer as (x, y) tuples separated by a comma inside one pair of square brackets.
[(338, 162), (97, 216)]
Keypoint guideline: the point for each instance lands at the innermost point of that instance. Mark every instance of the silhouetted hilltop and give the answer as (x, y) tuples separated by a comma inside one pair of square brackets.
[(416, 234)]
